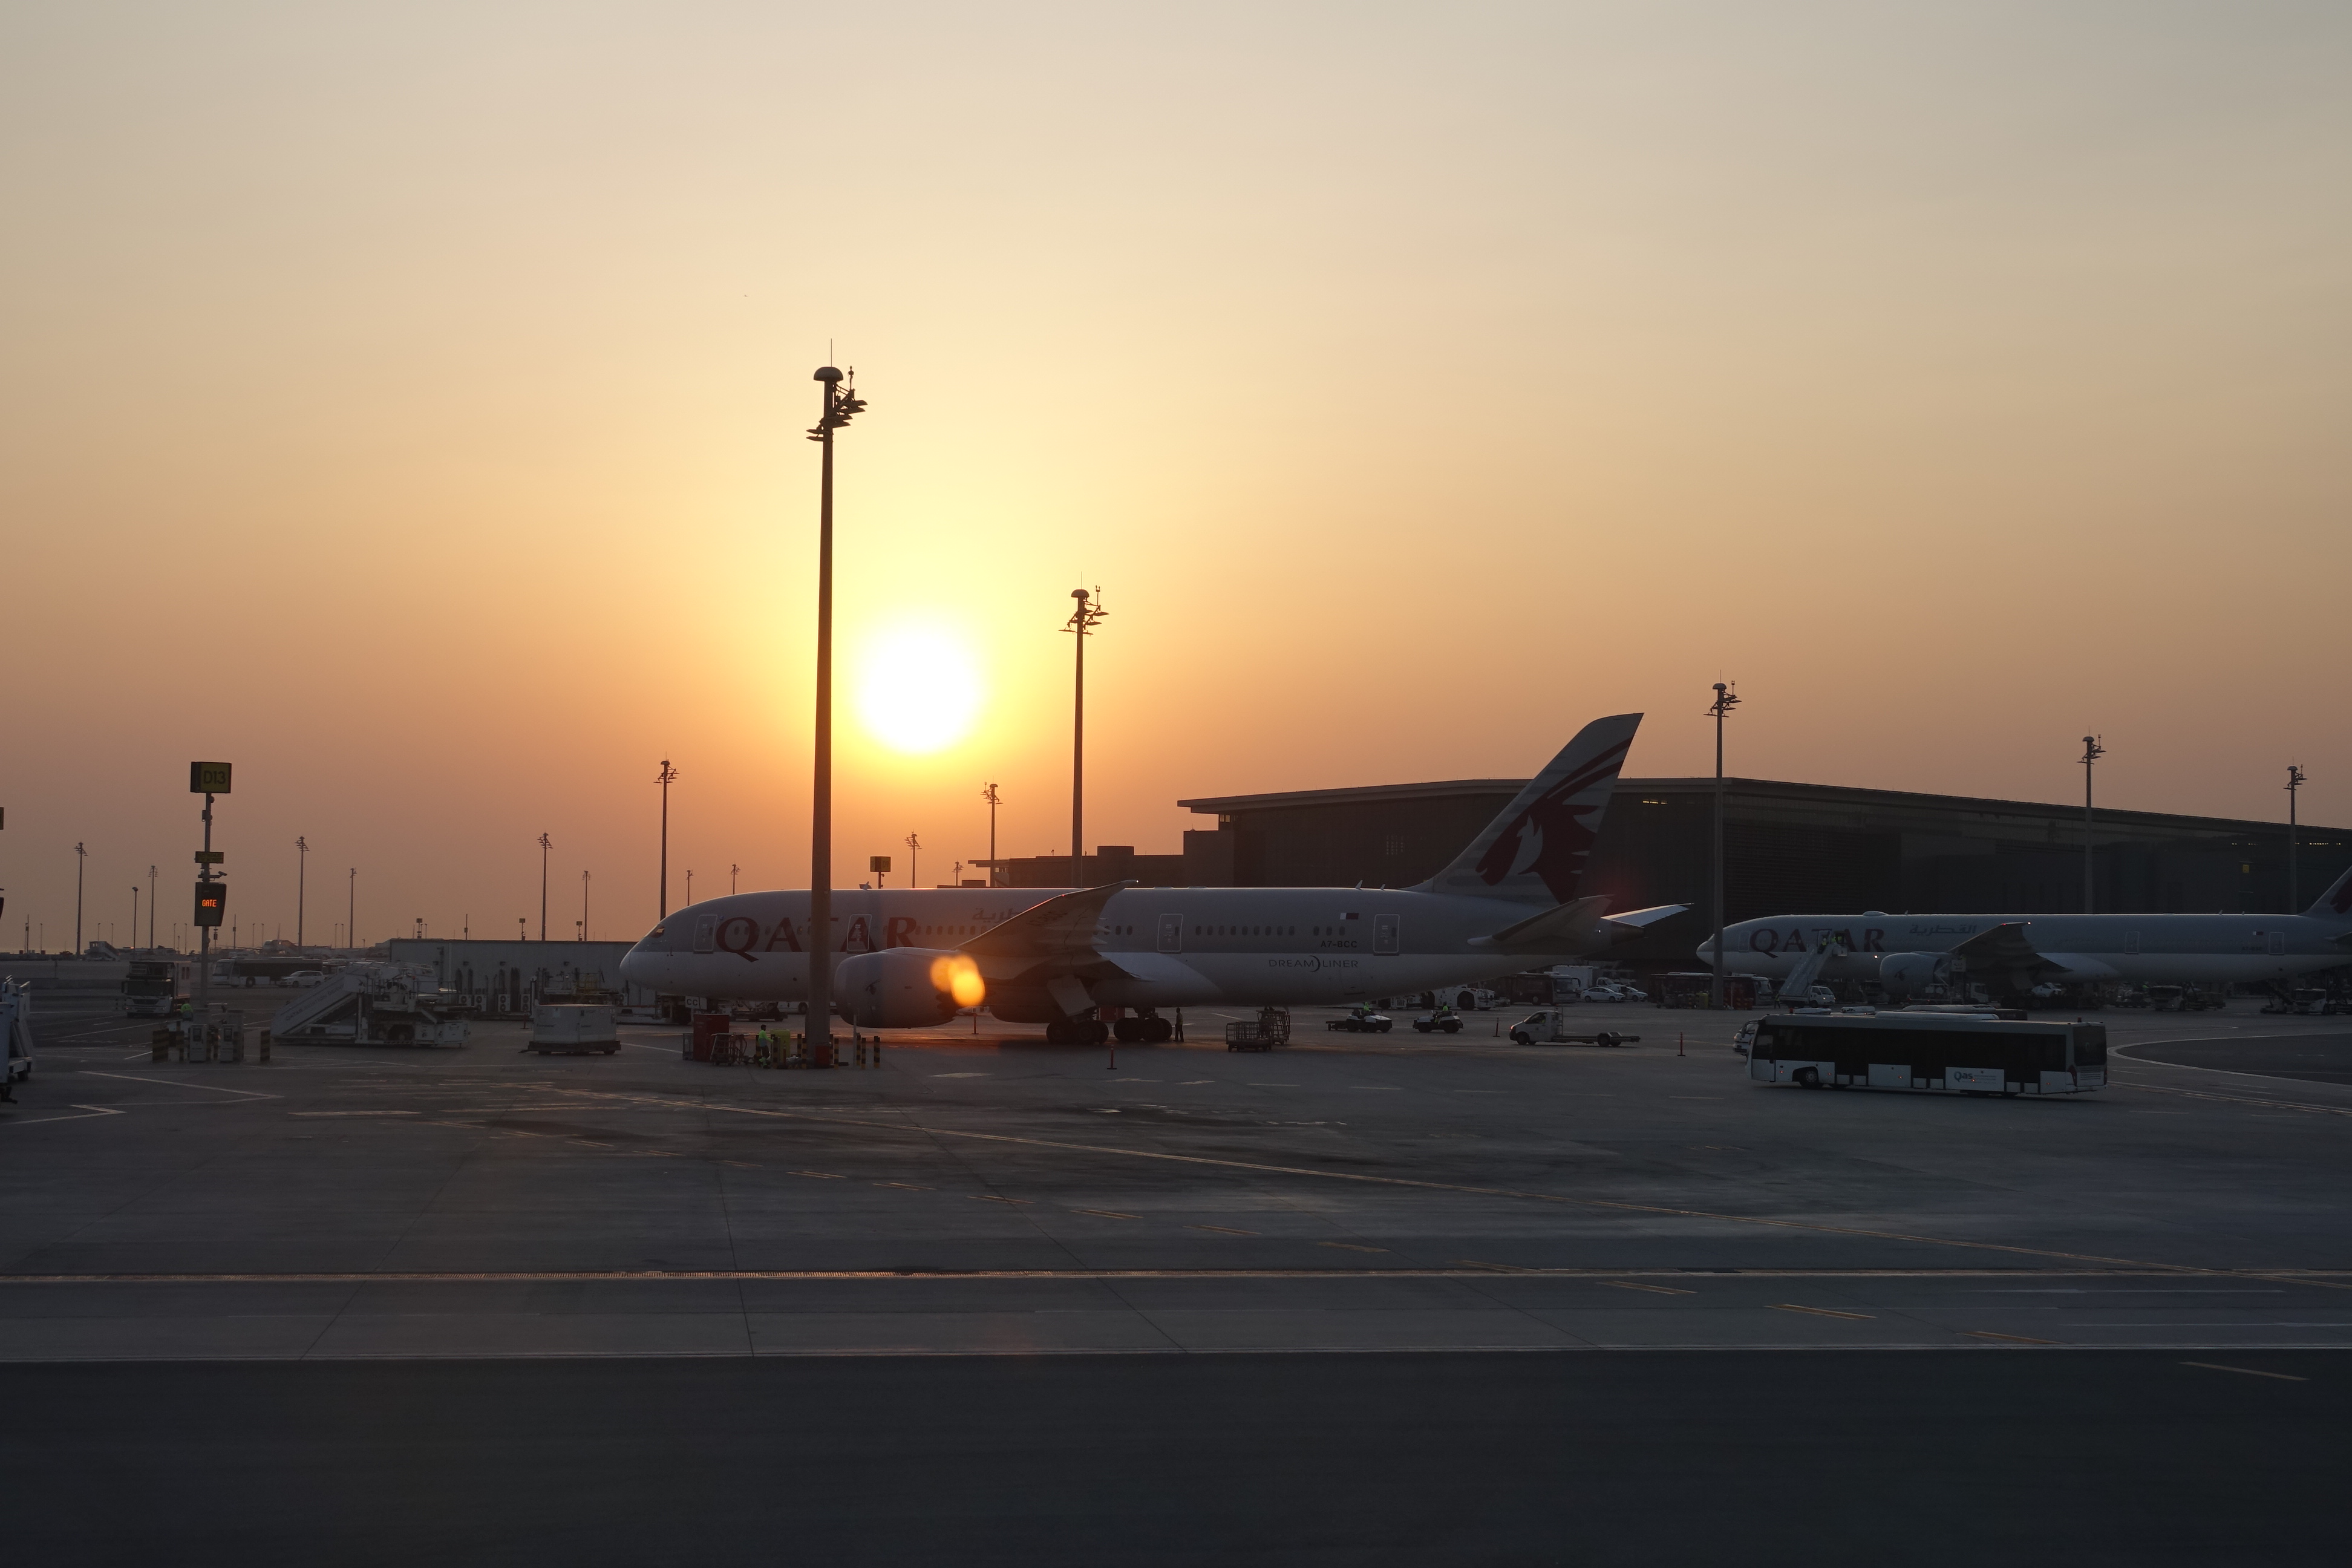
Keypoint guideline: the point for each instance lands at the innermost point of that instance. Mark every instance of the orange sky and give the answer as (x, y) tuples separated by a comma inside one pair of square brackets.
[(403, 402)]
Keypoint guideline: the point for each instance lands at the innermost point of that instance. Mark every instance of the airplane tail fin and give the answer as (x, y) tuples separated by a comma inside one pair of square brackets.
[(2336, 904), (1535, 852)]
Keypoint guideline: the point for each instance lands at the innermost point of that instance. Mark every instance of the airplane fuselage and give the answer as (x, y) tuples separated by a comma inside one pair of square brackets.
[(2175, 949), (1158, 947)]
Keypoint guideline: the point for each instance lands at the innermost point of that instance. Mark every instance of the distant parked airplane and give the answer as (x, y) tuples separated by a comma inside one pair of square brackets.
[(909, 958), (2016, 953)]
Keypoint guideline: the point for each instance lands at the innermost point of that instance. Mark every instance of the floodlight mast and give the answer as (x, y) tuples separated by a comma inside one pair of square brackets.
[(1082, 622), (666, 776), (1719, 710), (839, 403), (2092, 752), (2295, 780)]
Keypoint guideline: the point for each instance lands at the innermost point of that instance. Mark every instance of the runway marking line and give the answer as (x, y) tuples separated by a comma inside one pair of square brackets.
[(93, 1109), (1351, 1246), (820, 1176), (1820, 1312), (1227, 1229), (1655, 1290), (909, 1186), (993, 1198), (179, 1083), (371, 1113), (2230, 1098), (2011, 1339), (1463, 1269), (1617, 1204), (2248, 1371), (1107, 1213)]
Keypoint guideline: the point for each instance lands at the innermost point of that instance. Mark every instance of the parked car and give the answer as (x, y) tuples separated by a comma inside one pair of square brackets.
[(305, 978), (1604, 992)]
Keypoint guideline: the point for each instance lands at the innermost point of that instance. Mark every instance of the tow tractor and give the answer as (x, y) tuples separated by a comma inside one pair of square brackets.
[(1362, 1020), (16, 1035), (1550, 1027)]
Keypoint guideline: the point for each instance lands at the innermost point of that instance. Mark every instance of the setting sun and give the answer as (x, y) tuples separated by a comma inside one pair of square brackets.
[(919, 690)]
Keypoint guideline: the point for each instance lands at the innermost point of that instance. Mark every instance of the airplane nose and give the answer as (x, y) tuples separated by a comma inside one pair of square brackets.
[(641, 967)]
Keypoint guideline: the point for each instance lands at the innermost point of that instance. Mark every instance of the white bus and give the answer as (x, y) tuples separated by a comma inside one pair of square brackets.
[(1953, 1053)]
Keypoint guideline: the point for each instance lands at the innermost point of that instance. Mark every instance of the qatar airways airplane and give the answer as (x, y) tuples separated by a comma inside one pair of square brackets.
[(910, 958), (2016, 953)]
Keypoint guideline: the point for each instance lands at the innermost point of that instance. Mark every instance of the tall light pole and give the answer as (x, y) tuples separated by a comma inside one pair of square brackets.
[(2092, 752), (583, 905), (666, 774), (351, 909), (838, 404), (1082, 623), (134, 914), (82, 862), (914, 848), (151, 906), (1720, 709), (733, 871), (544, 845), (987, 793), (2295, 778), (301, 875)]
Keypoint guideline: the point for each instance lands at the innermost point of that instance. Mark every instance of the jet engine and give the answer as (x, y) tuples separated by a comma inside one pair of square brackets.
[(906, 987), (1905, 973)]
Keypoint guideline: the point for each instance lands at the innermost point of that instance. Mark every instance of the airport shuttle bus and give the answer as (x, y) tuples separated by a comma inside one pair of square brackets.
[(1953, 1053)]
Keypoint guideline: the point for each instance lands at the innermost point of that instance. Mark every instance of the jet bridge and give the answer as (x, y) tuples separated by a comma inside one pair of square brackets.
[(373, 1005)]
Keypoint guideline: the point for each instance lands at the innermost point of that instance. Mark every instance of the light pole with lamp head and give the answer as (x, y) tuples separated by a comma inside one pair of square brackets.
[(1720, 709), (2092, 752), (839, 403), (665, 776), (1081, 624), (2295, 779)]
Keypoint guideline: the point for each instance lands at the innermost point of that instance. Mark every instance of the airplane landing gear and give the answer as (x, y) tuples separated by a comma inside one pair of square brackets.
[(1146, 1027)]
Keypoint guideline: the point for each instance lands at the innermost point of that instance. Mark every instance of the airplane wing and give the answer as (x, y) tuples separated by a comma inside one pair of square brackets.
[(1633, 922), (1571, 927), (2004, 949), (1056, 934)]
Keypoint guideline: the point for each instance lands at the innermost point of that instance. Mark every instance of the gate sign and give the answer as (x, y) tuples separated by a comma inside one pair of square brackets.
[(212, 899), (208, 778)]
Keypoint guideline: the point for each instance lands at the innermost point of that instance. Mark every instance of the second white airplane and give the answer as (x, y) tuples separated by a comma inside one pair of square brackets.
[(912, 958)]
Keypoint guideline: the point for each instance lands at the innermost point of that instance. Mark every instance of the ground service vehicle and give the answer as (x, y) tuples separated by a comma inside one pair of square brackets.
[(1958, 1053), (1550, 1027), (1362, 1021), (1444, 1020), (15, 1037), (152, 988)]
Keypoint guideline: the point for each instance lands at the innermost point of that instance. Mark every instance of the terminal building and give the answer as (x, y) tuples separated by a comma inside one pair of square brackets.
[(1789, 848)]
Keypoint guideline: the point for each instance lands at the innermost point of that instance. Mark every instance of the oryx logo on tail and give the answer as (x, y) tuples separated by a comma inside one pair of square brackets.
[(1535, 852)]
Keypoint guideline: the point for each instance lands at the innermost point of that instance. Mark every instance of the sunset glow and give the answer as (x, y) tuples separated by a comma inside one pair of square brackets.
[(918, 689)]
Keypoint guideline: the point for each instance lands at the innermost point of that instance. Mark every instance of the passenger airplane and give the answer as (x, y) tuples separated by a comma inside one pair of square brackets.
[(911, 958), (2017, 953)]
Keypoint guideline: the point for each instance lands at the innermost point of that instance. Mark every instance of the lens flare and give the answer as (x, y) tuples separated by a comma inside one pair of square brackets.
[(959, 977), (918, 692)]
